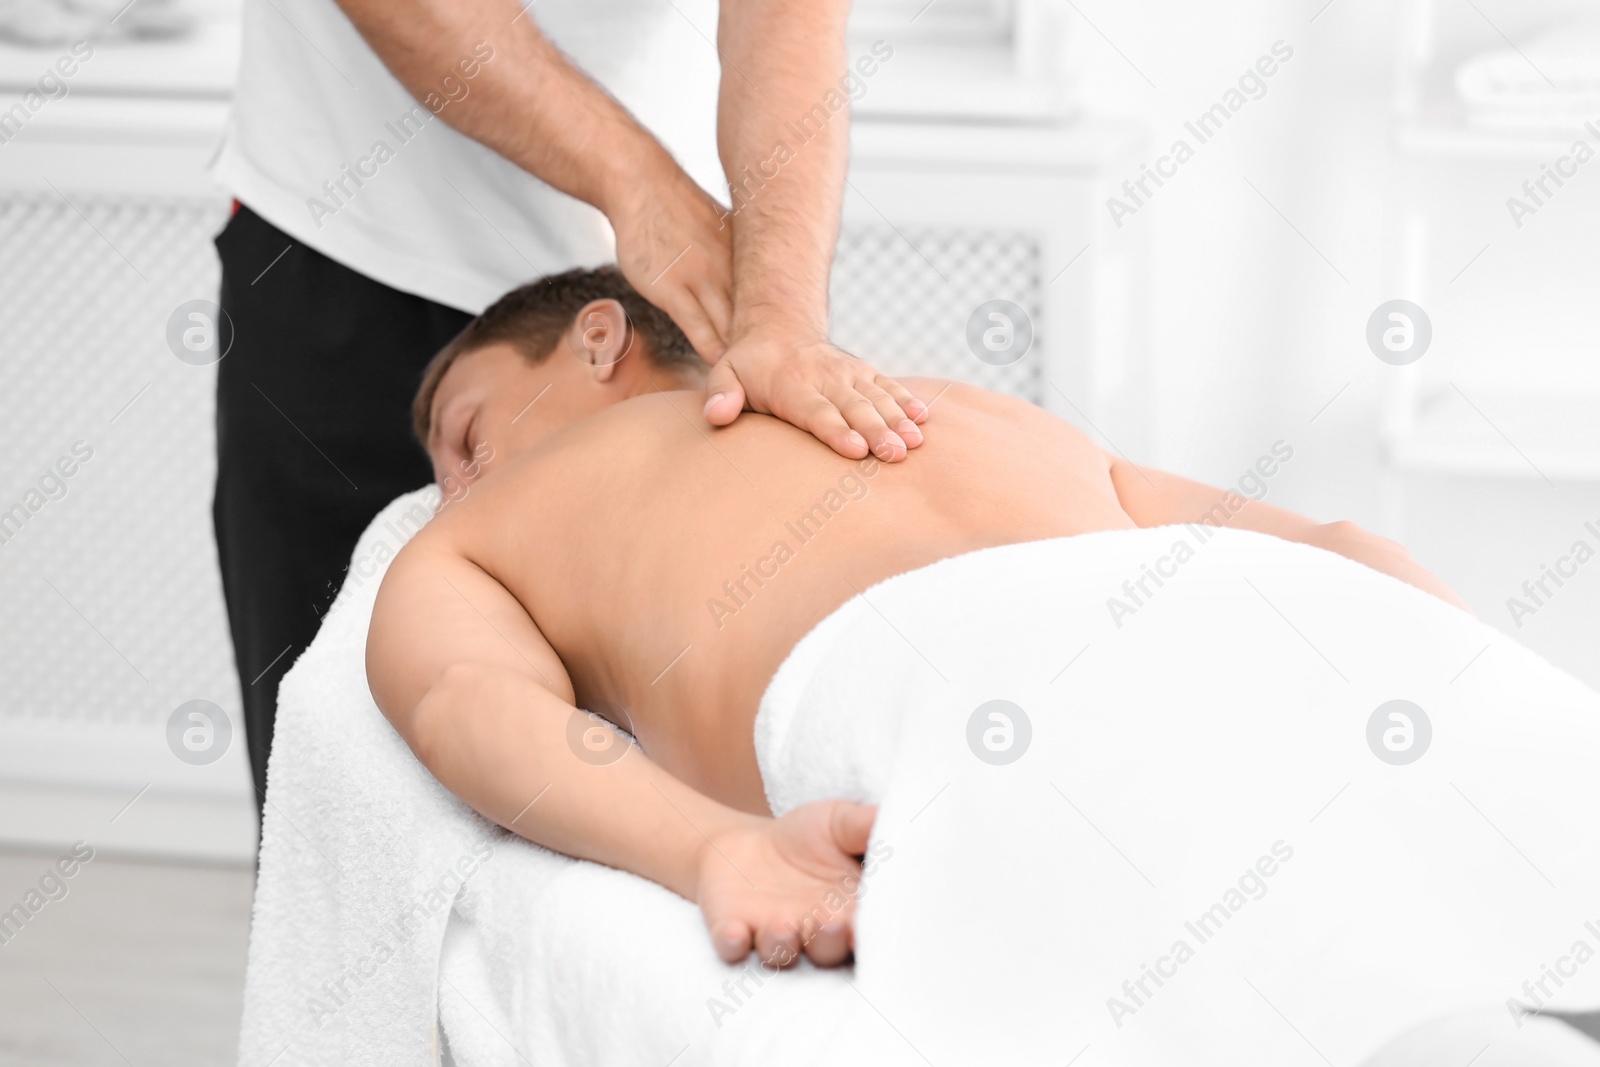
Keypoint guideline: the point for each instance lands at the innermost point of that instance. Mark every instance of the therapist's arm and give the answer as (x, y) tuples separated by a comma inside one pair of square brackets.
[(530, 104), (784, 62)]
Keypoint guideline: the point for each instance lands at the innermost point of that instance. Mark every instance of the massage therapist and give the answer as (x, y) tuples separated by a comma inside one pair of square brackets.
[(398, 164)]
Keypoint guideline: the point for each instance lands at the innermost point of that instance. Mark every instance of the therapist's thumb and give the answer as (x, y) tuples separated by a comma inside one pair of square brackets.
[(724, 395)]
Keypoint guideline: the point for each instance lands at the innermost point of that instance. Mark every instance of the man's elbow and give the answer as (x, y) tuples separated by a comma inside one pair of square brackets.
[(1345, 532), (438, 715)]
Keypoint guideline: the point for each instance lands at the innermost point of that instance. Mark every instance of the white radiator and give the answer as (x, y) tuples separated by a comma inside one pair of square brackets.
[(113, 605)]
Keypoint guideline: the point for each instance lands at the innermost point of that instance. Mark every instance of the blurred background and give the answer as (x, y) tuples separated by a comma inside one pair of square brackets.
[(1397, 150)]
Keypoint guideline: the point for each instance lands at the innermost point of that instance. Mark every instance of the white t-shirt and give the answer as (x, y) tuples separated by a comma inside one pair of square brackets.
[(325, 144)]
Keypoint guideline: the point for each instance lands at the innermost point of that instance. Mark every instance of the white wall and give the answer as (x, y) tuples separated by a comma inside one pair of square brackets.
[(1252, 331)]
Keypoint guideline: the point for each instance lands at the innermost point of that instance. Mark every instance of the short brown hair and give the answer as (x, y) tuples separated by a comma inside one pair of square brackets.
[(534, 316)]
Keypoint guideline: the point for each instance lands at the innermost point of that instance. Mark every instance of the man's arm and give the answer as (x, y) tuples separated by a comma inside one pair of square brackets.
[(1156, 498), (783, 66), (530, 104), (467, 679)]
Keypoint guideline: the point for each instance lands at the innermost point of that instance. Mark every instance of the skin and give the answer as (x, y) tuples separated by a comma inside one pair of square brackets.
[(748, 288), (576, 567)]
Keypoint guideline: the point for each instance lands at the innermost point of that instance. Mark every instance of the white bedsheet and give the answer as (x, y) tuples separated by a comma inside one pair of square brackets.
[(1222, 721)]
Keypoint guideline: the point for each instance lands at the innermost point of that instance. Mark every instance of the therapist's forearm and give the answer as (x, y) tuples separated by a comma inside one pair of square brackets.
[(527, 102), (780, 61)]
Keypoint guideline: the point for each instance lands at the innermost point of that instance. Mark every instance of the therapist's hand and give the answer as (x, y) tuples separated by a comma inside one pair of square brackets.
[(825, 391), (675, 249)]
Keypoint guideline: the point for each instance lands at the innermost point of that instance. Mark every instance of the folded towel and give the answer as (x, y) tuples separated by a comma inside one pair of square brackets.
[(363, 853)]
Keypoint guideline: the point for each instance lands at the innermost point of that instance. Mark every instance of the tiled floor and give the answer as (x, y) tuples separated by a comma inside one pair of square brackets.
[(138, 965)]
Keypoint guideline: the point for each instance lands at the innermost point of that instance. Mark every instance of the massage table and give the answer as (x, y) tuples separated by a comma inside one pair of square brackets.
[(1204, 854)]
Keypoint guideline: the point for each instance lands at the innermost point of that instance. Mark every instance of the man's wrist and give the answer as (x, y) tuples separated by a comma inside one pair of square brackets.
[(770, 323), (631, 173)]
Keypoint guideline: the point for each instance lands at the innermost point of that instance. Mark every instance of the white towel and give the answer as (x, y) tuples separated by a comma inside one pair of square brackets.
[(360, 848), (1207, 749)]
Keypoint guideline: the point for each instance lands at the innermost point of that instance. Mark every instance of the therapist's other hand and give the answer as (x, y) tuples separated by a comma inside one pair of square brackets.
[(825, 391), (786, 886), (674, 247)]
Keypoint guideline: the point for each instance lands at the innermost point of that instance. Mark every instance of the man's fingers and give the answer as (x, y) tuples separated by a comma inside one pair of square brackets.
[(821, 418), (712, 291), (851, 826), (732, 940), (724, 395), (691, 318), (862, 416), (777, 948), (915, 409), (893, 413), (830, 945)]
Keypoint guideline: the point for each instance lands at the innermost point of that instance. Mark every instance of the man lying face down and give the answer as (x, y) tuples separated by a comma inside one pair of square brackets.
[(614, 552)]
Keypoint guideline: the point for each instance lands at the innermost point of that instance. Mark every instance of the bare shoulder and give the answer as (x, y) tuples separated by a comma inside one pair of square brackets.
[(444, 543), (434, 538)]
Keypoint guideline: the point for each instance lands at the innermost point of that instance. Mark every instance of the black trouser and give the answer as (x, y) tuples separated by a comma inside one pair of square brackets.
[(313, 439)]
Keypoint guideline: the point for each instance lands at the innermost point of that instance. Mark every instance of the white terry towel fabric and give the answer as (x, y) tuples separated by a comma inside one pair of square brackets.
[(1209, 849), (363, 854)]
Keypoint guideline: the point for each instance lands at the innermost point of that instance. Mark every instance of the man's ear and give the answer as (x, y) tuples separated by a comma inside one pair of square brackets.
[(600, 336)]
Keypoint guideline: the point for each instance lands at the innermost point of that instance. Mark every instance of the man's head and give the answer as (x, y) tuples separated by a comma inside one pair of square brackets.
[(542, 357)]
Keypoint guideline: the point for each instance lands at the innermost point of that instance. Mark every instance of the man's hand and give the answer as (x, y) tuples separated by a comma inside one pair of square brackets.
[(847, 404), (673, 247), (786, 886), (785, 212)]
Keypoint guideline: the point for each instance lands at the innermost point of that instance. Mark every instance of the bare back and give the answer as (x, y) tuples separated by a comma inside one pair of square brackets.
[(672, 565)]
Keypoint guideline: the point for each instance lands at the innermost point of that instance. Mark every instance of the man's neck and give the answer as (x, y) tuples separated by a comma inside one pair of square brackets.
[(664, 380)]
